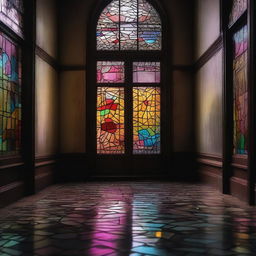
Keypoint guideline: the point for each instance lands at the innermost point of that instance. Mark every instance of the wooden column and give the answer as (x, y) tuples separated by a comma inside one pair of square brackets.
[(28, 96), (251, 102)]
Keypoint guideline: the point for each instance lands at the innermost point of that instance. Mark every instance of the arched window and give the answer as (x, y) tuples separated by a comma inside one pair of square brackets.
[(11, 32), (129, 25), (129, 80)]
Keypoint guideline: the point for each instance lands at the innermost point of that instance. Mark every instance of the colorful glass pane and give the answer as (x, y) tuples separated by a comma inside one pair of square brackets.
[(110, 13), (128, 36), (108, 28), (146, 120), (110, 120), (128, 11), (129, 25), (10, 96), (11, 14), (147, 14), (240, 91), (108, 36), (149, 37), (238, 8), (146, 72), (110, 72)]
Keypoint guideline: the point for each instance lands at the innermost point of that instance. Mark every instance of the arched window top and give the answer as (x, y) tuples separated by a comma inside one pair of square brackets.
[(129, 25), (11, 13), (238, 8)]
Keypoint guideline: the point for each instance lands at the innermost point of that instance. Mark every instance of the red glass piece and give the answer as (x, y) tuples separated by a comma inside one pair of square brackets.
[(110, 127), (146, 102), (108, 106)]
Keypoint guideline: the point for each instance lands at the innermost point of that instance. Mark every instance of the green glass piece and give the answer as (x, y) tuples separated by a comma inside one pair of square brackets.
[(104, 112)]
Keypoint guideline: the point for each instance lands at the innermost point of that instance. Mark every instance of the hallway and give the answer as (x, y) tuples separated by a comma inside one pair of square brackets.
[(128, 218)]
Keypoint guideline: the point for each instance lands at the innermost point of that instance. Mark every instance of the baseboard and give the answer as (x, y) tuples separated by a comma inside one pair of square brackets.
[(210, 170), (77, 167), (45, 170), (11, 192), (239, 188)]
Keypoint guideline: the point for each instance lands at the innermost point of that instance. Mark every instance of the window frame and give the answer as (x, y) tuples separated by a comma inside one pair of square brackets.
[(25, 159), (231, 162), (128, 56)]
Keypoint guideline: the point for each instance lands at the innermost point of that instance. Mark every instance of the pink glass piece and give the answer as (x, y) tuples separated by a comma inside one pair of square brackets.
[(146, 72), (110, 72)]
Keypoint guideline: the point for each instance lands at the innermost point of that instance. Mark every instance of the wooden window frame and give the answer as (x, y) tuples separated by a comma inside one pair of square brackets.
[(128, 56), (231, 161), (26, 156)]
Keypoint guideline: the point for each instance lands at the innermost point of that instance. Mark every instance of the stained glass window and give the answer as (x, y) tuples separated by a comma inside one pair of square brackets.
[(240, 39), (110, 72), (146, 120), (146, 72), (238, 8), (10, 96), (110, 120), (128, 90), (129, 25), (11, 14)]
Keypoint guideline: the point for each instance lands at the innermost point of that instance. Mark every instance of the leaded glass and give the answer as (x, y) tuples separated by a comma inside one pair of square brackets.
[(11, 14), (238, 8), (110, 72), (110, 120), (128, 36), (147, 14), (108, 28), (146, 120), (10, 96), (129, 25), (110, 13), (108, 36), (128, 11), (240, 91), (149, 37), (146, 72)]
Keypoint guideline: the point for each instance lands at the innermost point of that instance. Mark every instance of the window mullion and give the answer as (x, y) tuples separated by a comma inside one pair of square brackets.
[(128, 107)]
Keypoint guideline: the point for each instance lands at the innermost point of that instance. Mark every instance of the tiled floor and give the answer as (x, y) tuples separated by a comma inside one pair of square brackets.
[(128, 218)]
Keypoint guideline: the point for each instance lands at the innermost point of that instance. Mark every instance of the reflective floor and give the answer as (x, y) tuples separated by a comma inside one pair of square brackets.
[(128, 218)]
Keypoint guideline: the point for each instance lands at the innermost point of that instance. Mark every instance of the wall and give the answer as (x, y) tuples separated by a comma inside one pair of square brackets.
[(208, 79), (46, 92), (72, 32), (207, 25), (208, 56), (181, 53), (209, 106)]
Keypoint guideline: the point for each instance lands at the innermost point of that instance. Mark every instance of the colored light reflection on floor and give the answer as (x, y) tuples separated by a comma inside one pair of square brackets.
[(128, 218)]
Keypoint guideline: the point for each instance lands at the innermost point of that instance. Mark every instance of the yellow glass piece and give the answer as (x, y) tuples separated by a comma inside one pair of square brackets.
[(158, 234), (146, 120)]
